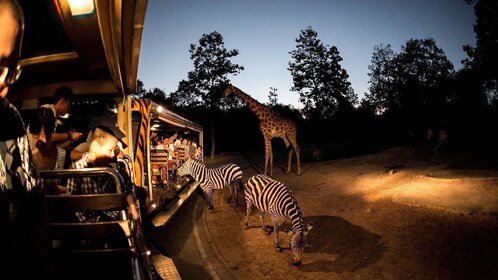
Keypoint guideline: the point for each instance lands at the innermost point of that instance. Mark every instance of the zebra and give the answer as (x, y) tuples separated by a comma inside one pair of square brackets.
[(215, 178), (273, 197)]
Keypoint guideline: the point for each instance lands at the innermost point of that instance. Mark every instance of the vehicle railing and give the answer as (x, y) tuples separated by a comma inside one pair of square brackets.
[(89, 240), (84, 172)]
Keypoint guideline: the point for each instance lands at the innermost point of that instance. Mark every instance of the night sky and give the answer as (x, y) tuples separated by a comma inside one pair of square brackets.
[(264, 32)]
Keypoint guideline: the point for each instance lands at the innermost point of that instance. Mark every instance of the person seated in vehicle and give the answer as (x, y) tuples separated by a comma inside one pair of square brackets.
[(191, 148), (60, 105), (46, 155), (182, 151), (83, 147), (158, 149), (102, 150), (199, 154), (172, 156)]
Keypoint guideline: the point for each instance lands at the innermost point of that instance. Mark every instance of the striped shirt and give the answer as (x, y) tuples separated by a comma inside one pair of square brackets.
[(91, 185)]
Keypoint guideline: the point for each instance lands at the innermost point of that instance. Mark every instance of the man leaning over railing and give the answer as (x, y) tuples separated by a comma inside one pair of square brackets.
[(103, 148)]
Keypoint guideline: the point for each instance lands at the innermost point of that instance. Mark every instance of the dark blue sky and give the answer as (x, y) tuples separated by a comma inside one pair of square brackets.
[(264, 32)]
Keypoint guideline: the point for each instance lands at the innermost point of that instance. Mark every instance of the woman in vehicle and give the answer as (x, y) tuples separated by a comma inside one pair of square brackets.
[(46, 155)]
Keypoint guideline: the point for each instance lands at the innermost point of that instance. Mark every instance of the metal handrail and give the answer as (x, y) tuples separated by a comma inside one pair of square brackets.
[(84, 172)]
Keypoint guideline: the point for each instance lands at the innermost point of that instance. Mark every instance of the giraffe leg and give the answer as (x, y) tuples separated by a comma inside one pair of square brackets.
[(268, 156), (271, 162), (291, 152), (298, 158), (298, 161)]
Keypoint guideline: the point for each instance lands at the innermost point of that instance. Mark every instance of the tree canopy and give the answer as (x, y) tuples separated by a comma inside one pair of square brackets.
[(318, 77), (212, 66), (203, 85), (483, 59), (412, 82)]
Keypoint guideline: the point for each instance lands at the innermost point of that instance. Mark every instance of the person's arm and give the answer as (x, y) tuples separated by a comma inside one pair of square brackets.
[(60, 137), (75, 155), (60, 190), (132, 206), (53, 188)]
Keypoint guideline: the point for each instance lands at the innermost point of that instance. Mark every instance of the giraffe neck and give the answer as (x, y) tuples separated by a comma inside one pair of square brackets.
[(259, 109)]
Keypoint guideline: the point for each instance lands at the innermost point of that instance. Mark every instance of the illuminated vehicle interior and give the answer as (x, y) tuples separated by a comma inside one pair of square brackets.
[(94, 51)]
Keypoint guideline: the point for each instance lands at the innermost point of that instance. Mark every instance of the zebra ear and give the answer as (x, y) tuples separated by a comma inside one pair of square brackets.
[(309, 226)]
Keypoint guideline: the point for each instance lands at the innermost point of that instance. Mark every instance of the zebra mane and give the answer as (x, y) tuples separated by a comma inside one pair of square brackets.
[(299, 239), (194, 162)]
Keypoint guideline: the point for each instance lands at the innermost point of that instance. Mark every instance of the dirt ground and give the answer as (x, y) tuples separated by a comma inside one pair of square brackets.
[(390, 215)]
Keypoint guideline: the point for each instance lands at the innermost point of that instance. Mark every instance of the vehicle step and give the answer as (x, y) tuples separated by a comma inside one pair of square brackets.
[(165, 267), (164, 216)]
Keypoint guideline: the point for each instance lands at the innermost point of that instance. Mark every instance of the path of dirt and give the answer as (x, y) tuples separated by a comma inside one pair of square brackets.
[(390, 215)]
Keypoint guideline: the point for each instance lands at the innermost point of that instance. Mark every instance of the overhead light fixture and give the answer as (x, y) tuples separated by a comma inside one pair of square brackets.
[(80, 7)]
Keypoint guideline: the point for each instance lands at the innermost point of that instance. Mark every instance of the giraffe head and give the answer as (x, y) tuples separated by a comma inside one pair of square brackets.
[(228, 90)]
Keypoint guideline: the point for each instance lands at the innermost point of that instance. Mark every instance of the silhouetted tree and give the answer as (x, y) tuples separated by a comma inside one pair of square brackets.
[(383, 76), (412, 86), (203, 85), (140, 90), (187, 95), (272, 97), (484, 57), (318, 77), (424, 74), (155, 94)]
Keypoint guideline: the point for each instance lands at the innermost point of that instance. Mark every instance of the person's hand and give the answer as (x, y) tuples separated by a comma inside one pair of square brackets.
[(74, 135), (134, 212)]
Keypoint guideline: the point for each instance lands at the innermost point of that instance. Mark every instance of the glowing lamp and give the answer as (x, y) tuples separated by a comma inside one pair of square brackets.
[(80, 7)]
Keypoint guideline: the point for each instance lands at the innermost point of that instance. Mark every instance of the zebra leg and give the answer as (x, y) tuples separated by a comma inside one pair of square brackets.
[(230, 188), (237, 187), (210, 201), (208, 196), (275, 228), (234, 192), (248, 213), (262, 220)]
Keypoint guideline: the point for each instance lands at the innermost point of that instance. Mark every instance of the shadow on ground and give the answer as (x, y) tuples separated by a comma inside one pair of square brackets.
[(348, 246)]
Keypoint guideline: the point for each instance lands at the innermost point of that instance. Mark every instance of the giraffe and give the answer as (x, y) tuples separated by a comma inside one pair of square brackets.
[(271, 125)]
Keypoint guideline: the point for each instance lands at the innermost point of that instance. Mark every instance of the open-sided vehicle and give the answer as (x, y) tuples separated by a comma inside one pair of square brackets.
[(150, 118), (95, 51)]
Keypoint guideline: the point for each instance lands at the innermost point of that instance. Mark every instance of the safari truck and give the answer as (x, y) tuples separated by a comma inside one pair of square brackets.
[(162, 199), (93, 47)]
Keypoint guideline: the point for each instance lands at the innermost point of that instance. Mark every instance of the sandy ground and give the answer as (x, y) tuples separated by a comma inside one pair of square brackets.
[(390, 215)]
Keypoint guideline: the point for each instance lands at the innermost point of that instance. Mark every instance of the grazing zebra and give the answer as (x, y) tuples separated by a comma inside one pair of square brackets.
[(275, 198), (215, 178)]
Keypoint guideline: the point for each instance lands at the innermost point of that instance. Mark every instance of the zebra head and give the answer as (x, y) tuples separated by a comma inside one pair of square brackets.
[(298, 242), (184, 169)]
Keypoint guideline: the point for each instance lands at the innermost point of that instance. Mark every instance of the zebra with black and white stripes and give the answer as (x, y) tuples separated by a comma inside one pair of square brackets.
[(213, 178), (275, 198)]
